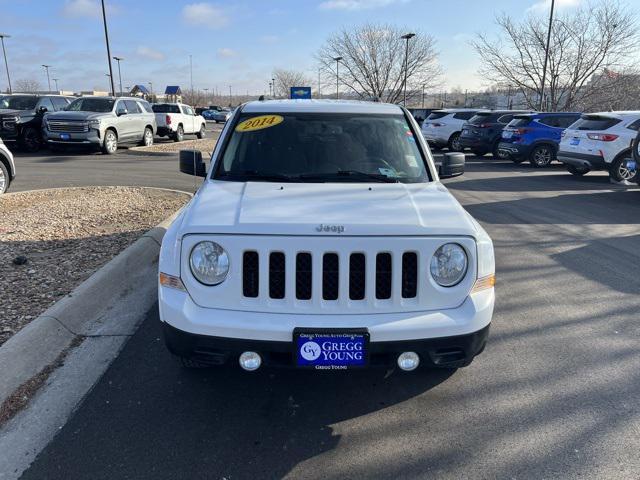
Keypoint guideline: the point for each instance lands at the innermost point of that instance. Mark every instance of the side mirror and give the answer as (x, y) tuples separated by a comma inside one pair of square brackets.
[(42, 109), (452, 165), (191, 163), (121, 111)]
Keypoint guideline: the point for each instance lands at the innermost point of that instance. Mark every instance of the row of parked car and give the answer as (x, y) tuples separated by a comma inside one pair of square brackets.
[(583, 142), (103, 122)]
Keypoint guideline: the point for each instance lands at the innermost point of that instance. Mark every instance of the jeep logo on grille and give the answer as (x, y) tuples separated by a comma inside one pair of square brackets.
[(330, 228)]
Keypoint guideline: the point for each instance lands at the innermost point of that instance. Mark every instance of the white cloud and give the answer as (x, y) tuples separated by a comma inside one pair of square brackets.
[(357, 4), (204, 14), (150, 53), (85, 8), (226, 53), (542, 6)]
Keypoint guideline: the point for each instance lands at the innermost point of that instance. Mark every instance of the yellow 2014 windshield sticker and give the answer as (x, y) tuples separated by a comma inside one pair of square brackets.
[(258, 123)]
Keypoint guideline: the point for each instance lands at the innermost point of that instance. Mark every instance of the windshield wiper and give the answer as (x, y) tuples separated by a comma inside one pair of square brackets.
[(258, 175), (349, 174)]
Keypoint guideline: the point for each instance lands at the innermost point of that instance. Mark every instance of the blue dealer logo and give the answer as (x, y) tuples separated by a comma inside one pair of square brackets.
[(310, 351)]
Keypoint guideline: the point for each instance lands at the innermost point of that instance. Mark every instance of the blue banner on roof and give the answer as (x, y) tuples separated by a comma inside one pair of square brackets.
[(301, 92)]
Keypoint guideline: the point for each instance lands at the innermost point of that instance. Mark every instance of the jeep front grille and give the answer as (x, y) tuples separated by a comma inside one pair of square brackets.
[(331, 276)]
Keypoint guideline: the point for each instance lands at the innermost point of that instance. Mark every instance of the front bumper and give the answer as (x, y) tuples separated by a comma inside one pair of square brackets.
[(582, 160), (92, 137), (449, 337)]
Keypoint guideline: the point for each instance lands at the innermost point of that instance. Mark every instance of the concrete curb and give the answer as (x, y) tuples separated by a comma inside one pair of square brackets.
[(129, 277)]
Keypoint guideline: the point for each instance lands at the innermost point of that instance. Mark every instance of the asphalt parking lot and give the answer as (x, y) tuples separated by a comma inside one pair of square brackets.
[(554, 395)]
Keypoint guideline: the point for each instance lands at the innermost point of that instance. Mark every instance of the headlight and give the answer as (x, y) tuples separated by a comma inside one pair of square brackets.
[(209, 263), (17, 119), (94, 124), (449, 265)]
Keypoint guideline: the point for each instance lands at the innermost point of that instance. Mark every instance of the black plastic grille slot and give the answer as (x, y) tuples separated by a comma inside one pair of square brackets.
[(304, 275), (276, 275), (409, 275), (250, 274), (330, 276), (357, 276), (383, 276)]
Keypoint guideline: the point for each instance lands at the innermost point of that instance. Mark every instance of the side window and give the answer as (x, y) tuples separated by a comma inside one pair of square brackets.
[(120, 105), (146, 106), (464, 115), (46, 102), (505, 119), (188, 110), (550, 121), (634, 125), (132, 106)]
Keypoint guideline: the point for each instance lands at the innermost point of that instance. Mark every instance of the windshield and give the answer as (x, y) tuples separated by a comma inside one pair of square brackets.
[(322, 147), (165, 108), (100, 105), (19, 102)]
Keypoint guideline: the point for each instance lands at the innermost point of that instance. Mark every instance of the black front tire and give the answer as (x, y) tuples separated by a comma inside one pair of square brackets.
[(110, 143), (30, 140), (201, 133), (147, 138), (576, 171), (495, 151)]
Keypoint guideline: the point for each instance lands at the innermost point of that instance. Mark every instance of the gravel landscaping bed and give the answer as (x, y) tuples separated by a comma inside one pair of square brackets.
[(53, 240), (205, 145)]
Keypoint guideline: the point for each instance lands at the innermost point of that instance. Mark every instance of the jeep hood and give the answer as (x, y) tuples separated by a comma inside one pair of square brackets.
[(362, 209)]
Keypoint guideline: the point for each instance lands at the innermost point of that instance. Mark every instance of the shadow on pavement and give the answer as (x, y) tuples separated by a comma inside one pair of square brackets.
[(150, 418)]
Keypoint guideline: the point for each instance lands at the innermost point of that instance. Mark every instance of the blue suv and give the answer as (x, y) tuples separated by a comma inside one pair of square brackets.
[(535, 137)]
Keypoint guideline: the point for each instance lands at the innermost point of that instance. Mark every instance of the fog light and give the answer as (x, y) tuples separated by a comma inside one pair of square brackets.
[(250, 361), (408, 361)]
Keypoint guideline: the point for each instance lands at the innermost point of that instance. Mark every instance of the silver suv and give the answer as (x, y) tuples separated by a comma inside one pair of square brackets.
[(103, 122)]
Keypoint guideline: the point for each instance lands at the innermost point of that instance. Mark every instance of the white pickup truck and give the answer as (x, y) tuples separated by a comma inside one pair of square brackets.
[(176, 119)]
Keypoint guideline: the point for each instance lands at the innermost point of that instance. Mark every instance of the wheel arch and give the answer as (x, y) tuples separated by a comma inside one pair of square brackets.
[(5, 161)]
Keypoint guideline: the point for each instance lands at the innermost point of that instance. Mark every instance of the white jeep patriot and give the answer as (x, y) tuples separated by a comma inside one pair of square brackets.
[(322, 238)]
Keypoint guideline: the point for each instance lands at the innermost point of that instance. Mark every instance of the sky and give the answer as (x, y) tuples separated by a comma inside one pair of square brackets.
[(231, 42)]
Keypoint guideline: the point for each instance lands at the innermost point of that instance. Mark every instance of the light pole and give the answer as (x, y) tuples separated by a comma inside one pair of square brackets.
[(407, 37), (4, 52), (56, 80), (150, 88), (337, 59), (546, 55), (270, 94), (46, 68), (119, 59), (106, 37), (229, 95), (423, 95), (273, 82)]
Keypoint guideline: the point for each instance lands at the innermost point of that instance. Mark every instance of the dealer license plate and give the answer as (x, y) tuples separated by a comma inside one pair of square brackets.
[(65, 136), (574, 141), (331, 350)]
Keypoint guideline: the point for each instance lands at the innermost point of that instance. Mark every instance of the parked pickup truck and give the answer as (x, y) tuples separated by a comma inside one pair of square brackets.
[(176, 119)]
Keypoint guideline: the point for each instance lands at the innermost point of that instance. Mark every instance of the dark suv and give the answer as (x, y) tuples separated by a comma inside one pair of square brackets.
[(483, 131), (535, 137), (21, 118)]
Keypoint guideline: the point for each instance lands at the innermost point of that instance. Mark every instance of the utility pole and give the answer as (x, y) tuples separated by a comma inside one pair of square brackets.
[(546, 55), (229, 95), (106, 37), (4, 52), (423, 95), (270, 94), (108, 75), (56, 80), (119, 59), (273, 82), (407, 37), (46, 68), (337, 59)]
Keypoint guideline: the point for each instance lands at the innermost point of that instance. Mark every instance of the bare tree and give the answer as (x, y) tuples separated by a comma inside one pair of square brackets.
[(25, 85), (285, 79), (584, 42), (373, 61)]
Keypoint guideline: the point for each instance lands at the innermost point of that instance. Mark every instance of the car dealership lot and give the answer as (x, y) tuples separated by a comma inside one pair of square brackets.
[(554, 394)]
